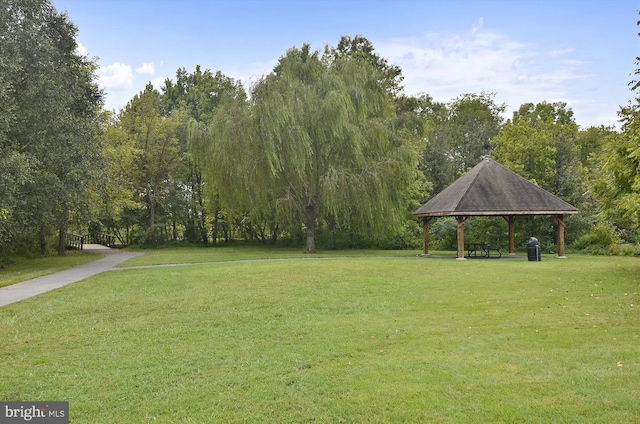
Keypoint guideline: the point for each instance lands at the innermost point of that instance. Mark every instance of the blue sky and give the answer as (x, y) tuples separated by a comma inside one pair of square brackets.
[(581, 52)]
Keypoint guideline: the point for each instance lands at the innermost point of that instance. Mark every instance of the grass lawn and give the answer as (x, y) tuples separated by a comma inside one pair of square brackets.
[(364, 338), (32, 268), (222, 253)]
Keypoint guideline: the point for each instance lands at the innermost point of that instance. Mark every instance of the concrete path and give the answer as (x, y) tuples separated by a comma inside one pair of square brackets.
[(26, 289)]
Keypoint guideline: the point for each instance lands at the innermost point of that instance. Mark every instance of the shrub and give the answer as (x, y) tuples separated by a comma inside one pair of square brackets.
[(604, 239)]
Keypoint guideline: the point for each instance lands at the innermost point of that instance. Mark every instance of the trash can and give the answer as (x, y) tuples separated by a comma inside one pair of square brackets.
[(533, 249)]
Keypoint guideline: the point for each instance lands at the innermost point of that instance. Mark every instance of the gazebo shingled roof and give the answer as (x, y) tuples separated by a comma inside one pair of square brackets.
[(491, 189)]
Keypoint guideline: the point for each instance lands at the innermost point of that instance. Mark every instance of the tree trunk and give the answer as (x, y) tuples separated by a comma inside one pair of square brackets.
[(43, 241), (152, 215), (216, 222), (203, 226), (310, 224), (61, 241), (203, 213), (174, 229), (152, 223), (274, 235), (192, 211)]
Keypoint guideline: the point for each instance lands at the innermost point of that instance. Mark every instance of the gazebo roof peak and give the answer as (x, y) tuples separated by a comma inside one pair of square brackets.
[(492, 189)]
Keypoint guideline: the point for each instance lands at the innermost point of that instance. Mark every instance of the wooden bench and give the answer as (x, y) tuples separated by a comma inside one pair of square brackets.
[(481, 250)]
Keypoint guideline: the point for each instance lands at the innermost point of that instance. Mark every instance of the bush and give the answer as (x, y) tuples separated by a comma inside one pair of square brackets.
[(408, 237), (604, 239), (444, 234)]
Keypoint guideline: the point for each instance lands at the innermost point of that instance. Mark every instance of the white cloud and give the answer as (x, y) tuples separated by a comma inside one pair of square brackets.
[(561, 52), (483, 60), (158, 82), (81, 50), (449, 65), (252, 72), (477, 26), (147, 68), (117, 76)]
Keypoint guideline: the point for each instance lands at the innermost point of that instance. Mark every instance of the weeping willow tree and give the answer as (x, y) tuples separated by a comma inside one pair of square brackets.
[(319, 137), (223, 149)]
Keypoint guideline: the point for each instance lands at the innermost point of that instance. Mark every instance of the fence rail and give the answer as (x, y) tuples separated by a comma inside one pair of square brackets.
[(108, 240), (76, 241)]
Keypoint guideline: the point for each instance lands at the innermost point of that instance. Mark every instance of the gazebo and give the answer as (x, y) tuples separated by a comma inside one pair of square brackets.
[(491, 189)]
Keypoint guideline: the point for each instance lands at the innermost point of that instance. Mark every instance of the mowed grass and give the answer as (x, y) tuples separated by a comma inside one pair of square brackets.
[(241, 252), (337, 339)]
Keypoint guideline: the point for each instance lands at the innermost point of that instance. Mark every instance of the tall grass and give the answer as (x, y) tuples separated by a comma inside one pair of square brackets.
[(357, 339)]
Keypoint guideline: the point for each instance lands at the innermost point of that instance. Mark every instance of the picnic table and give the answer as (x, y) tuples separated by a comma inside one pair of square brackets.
[(481, 250)]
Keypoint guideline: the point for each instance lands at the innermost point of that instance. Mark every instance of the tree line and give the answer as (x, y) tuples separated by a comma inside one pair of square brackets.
[(326, 150)]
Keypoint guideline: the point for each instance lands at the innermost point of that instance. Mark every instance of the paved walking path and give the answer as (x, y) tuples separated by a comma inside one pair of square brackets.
[(26, 289)]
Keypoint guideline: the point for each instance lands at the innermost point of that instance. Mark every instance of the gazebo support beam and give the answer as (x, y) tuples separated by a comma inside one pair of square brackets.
[(461, 220), (560, 219), (511, 220), (425, 235)]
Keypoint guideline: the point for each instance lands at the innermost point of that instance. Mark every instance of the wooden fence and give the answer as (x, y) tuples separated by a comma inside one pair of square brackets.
[(75, 241)]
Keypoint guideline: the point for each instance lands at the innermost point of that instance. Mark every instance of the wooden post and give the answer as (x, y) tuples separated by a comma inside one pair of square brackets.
[(512, 244), (460, 220), (560, 219), (425, 235)]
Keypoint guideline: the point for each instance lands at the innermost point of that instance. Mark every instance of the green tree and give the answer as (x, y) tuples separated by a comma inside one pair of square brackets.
[(540, 143), (458, 135), (113, 198), (618, 184), (318, 134), (155, 139), (13, 163), (198, 95), (389, 76), (55, 104), (590, 142), (524, 149), (615, 178)]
